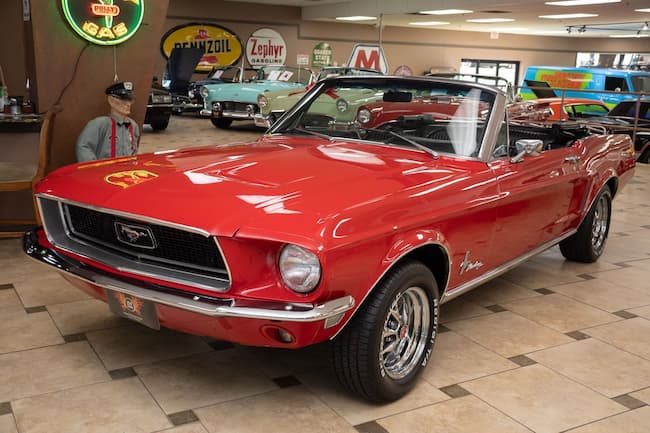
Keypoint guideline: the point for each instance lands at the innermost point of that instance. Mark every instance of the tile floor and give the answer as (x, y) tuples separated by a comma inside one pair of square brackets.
[(552, 346)]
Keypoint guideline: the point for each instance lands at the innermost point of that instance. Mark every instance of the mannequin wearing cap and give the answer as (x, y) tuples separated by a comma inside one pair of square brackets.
[(114, 135)]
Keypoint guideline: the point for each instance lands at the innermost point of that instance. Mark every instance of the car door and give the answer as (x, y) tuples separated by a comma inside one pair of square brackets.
[(540, 195)]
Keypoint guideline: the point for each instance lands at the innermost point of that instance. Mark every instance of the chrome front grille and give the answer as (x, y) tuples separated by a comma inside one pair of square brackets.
[(136, 244)]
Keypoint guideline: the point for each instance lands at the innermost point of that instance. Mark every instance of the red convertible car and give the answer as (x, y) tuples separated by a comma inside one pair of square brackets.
[(325, 230)]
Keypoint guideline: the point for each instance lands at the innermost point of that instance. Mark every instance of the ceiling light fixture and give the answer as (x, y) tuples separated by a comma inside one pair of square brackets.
[(447, 12), (642, 10), (580, 2), (490, 20), (356, 18), (567, 16), (629, 36), (428, 23)]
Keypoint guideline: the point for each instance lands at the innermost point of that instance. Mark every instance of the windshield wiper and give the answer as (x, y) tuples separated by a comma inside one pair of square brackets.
[(406, 139)]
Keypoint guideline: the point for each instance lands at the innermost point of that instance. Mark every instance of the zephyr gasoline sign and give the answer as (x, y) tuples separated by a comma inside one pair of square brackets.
[(104, 22)]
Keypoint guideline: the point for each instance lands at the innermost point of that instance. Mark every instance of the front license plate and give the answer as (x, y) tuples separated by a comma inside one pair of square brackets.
[(134, 308)]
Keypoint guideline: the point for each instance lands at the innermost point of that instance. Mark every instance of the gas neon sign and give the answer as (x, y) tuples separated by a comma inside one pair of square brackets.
[(104, 22)]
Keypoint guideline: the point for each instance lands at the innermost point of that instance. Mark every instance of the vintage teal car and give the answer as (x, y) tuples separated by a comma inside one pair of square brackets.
[(238, 101), (274, 103)]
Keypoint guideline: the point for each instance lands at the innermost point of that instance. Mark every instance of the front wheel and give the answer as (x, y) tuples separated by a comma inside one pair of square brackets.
[(384, 349), (588, 243)]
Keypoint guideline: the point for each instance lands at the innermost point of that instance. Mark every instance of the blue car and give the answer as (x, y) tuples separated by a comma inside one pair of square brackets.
[(238, 101)]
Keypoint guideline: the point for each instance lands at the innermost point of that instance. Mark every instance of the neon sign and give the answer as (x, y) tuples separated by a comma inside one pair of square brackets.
[(104, 22)]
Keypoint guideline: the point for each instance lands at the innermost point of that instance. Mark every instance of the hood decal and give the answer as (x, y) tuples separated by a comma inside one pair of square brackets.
[(129, 178)]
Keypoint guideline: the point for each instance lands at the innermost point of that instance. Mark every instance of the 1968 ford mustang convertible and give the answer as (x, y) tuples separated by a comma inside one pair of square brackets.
[(325, 230)]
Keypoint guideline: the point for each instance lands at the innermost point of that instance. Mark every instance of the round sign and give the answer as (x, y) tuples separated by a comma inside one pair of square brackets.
[(266, 47), (220, 46), (104, 23)]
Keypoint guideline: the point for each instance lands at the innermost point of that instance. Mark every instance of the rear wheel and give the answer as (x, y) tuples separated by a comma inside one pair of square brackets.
[(384, 349), (588, 243), (220, 122)]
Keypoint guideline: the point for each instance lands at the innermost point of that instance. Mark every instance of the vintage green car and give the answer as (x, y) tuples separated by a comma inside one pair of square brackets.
[(238, 101), (275, 103)]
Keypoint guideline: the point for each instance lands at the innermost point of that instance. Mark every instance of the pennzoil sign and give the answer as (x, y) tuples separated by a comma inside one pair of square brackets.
[(104, 22), (220, 46)]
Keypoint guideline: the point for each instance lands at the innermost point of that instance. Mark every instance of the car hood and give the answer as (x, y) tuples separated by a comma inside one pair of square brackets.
[(278, 187)]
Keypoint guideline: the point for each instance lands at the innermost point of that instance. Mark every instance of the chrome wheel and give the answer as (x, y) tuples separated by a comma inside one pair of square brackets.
[(600, 224), (405, 333)]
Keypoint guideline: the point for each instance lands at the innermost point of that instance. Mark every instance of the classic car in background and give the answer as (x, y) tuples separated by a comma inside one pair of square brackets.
[(224, 74), (275, 103), (325, 230), (491, 80), (238, 101), (159, 109), (633, 118), (557, 108)]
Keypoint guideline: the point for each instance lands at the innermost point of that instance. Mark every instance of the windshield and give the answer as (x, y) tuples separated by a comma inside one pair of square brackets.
[(441, 115), (641, 83), (231, 73), (285, 73)]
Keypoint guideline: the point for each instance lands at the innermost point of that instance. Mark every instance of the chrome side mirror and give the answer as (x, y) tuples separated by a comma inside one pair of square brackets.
[(527, 147)]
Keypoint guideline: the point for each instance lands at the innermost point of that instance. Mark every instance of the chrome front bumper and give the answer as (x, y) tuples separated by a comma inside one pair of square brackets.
[(205, 305), (261, 120)]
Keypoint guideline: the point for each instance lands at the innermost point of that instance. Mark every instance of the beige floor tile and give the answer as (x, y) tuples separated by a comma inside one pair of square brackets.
[(203, 379), (536, 276), (38, 371), (187, 428), (641, 311), (560, 313), (604, 294), (355, 410), (21, 268), (127, 346), (508, 334), (643, 395), (9, 299), (627, 247), (83, 316), (290, 410), (456, 359), (630, 335), (498, 291), (7, 424), (633, 277), (541, 399), (635, 421), (20, 331), (459, 308), (460, 415), (122, 406), (601, 367), (10, 248), (47, 290)]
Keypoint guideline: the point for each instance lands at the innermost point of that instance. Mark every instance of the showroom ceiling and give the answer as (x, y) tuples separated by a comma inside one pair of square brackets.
[(616, 19)]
